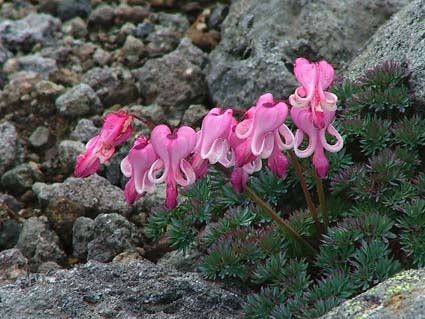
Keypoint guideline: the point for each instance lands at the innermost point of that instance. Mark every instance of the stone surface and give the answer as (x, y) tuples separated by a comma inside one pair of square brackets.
[(68, 152), (402, 39), (188, 262), (32, 63), (23, 34), (112, 235), (194, 115), (68, 9), (40, 137), (13, 264), (261, 39), (138, 290), (84, 130), (174, 81), (38, 243), (21, 178), (80, 100), (400, 297), (82, 234), (8, 142), (9, 232), (94, 193)]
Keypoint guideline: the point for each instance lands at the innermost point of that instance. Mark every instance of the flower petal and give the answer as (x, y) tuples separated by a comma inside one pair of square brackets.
[(299, 136), (332, 131)]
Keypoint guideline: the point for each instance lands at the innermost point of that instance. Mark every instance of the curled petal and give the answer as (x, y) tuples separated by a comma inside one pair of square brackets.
[(263, 146), (329, 101), (156, 167), (339, 141), (185, 176), (126, 166), (253, 166), (299, 99), (289, 138), (244, 128), (299, 136)]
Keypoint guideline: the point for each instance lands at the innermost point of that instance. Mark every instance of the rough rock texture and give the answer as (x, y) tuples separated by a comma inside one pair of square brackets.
[(401, 39), (8, 141), (22, 177), (400, 297), (84, 131), (32, 63), (95, 194), (24, 33), (175, 80), (13, 264), (82, 234), (112, 234), (79, 100), (38, 243), (139, 290), (261, 39)]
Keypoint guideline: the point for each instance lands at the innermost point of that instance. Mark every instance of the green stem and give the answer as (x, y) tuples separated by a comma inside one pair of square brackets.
[(278, 220), (307, 195), (322, 199)]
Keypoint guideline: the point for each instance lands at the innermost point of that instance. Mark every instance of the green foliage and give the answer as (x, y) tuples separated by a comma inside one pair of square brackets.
[(376, 200)]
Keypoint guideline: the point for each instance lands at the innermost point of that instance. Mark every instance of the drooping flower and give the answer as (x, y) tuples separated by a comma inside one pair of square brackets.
[(212, 140), (171, 166), (264, 126), (116, 129), (136, 165), (313, 112)]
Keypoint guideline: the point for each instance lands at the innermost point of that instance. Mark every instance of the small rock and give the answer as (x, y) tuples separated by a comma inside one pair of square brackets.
[(4, 54), (21, 178), (217, 16), (94, 193), (144, 29), (135, 14), (113, 234), (188, 262), (101, 56), (8, 142), (126, 257), (132, 51), (10, 202), (84, 131), (23, 34), (194, 115), (68, 9), (47, 89), (68, 152), (174, 80), (34, 63), (40, 137), (38, 243), (62, 214), (80, 100), (13, 264), (82, 234), (48, 267), (101, 17), (75, 27), (162, 3)]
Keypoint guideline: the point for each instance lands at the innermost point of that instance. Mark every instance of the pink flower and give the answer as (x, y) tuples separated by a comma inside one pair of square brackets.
[(240, 175), (172, 167), (212, 140), (264, 126), (136, 165), (313, 112), (116, 129)]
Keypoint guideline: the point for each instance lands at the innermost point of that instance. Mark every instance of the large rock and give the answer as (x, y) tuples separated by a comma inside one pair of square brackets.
[(24, 33), (401, 39), (400, 297), (138, 290), (174, 81), (95, 194), (261, 39), (8, 142), (12, 265)]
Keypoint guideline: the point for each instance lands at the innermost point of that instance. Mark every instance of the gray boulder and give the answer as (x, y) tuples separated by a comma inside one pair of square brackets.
[(94, 193), (112, 235), (8, 142), (261, 39), (401, 39), (68, 151), (82, 234), (21, 178), (24, 33), (174, 81), (80, 100), (137, 290), (84, 131), (400, 297), (38, 243)]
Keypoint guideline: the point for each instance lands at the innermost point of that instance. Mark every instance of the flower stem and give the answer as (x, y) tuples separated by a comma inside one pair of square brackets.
[(149, 124), (278, 220), (322, 199), (307, 195)]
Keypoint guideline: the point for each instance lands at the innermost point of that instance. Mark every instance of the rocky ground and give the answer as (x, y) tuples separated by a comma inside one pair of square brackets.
[(64, 64)]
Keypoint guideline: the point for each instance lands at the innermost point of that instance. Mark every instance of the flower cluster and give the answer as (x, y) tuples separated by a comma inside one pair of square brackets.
[(178, 157)]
